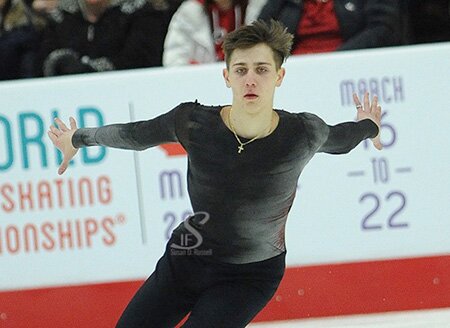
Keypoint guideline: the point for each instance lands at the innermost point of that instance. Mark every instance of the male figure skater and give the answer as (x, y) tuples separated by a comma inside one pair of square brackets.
[(244, 161)]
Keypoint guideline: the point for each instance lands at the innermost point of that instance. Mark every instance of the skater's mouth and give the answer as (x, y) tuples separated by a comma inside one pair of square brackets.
[(250, 96)]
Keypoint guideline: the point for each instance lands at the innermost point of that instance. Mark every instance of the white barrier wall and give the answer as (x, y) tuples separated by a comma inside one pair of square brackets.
[(108, 217)]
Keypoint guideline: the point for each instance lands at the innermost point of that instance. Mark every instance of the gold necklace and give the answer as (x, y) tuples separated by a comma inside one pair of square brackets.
[(242, 144)]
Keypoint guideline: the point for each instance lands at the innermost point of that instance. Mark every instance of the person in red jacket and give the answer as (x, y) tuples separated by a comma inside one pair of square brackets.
[(332, 25)]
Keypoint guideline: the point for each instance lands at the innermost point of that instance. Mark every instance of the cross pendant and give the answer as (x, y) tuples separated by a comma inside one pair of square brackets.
[(240, 148)]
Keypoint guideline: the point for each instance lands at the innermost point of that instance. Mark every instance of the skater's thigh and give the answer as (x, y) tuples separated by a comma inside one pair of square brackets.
[(158, 303), (230, 305)]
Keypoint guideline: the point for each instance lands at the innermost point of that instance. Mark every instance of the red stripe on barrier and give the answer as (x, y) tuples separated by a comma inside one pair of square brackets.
[(363, 287), (311, 291), (86, 306)]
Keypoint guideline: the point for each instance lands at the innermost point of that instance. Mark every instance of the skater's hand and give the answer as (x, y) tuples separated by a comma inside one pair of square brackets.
[(61, 137), (372, 112)]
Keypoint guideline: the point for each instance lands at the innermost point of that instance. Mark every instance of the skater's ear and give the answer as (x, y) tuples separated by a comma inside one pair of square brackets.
[(280, 76), (226, 77)]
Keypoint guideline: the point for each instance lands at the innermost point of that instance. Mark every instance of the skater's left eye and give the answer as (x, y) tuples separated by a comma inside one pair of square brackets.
[(261, 69)]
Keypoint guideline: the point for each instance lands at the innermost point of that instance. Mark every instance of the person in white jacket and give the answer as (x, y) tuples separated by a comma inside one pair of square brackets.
[(198, 27)]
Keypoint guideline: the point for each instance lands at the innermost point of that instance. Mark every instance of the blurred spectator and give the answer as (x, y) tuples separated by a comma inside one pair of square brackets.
[(169, 6), (19, 39), (44, 7), (167, 9), (429, 20), (198, 27), (101, 35), (331, 25)]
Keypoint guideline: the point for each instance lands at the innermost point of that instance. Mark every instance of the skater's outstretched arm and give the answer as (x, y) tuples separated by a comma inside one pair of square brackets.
[(135, 136), (343, 137)]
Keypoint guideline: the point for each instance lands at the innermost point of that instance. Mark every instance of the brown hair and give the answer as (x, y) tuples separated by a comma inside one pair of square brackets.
[(272, 33)]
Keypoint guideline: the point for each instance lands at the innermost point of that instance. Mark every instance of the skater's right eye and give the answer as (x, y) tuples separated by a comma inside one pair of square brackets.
[(241, 70)]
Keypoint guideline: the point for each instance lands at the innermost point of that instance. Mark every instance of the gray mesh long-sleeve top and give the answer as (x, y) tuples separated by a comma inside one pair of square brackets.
[(247, 195)]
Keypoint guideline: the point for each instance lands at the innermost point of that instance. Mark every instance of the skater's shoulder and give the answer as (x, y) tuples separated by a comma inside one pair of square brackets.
[(300, 117), (198, 107)]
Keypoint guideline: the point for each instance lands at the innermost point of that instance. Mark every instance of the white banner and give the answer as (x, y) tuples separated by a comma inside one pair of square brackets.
[(109, 216)]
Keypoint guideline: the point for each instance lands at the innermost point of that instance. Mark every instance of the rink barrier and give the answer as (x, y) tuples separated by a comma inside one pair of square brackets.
[(305, 292), (75, 248)]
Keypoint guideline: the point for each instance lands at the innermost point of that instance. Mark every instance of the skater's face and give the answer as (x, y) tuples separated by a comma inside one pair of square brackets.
[(253, 76)]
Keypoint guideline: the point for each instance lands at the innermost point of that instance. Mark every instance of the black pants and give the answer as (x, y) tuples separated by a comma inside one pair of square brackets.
[(216, 294)]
